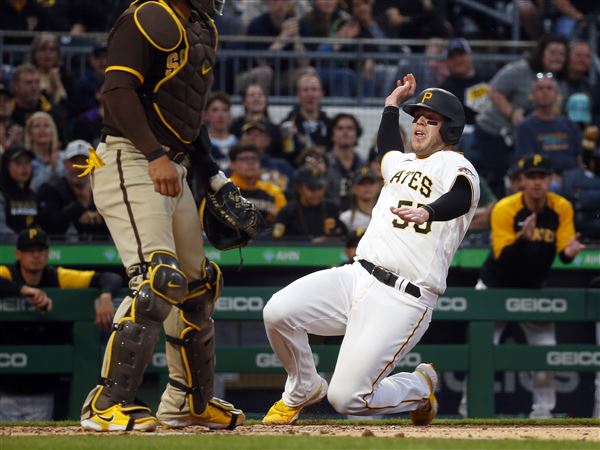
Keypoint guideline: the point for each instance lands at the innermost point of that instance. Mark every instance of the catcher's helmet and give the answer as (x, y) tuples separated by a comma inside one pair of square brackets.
[(446, 104), (210, 7)]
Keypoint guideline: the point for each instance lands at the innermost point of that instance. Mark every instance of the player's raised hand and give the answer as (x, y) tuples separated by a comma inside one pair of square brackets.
[(410, 214), (405, 89)]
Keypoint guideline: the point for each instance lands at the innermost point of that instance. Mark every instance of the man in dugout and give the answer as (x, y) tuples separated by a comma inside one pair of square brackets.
[(528, 230)]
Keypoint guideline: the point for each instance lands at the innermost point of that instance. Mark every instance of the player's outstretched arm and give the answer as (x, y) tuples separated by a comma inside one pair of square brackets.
[(388, 135)]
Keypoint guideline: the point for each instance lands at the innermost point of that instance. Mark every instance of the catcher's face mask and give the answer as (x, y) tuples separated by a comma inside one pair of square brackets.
[(210, 7)]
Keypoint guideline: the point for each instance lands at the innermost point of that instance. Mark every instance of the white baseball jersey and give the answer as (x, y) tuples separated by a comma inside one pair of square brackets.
[(420, 253)]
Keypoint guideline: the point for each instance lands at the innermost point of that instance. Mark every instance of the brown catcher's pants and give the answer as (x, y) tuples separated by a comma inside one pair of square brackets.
[(142, 221)]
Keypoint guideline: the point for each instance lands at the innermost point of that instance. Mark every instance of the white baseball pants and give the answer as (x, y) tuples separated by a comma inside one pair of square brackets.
[(380, 325)]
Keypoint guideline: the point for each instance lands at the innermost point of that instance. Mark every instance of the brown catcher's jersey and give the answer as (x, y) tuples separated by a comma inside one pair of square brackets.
[(521, 263), (173, 61)]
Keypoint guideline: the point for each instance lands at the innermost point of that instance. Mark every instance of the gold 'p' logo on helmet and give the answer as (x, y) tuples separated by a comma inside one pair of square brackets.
[(426, 96), (537, 159), (32, 233)]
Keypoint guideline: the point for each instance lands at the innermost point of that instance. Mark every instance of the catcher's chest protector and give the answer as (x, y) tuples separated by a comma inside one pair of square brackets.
[(189, 51)]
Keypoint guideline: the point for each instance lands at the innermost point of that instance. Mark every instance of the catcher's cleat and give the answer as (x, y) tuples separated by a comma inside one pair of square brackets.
[(282, 414), (425, 413), (217, 415), (121, 418)]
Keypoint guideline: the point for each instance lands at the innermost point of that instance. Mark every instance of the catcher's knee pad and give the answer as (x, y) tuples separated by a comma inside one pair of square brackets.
[(196, 341), (133, 339)]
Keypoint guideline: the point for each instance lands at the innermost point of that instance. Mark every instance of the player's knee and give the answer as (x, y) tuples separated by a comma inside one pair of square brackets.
[(163, 285), (342, 399), (275, 312)]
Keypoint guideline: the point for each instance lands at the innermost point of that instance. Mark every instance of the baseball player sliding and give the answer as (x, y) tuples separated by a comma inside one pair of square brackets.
[(382, 303)]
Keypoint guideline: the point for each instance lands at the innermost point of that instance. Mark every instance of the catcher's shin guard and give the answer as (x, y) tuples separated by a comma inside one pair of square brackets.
[(134, 337), (196, 342)]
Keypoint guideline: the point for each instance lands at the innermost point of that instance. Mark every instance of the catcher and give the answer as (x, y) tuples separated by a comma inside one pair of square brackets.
[(160, 67)]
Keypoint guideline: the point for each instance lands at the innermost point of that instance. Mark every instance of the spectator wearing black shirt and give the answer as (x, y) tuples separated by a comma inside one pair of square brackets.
[(469, 85), (255, 102), (46, 55), (24, 15), (27, 91), (65, 203), (344, 161), (280, 23), (307, 124), (309, 217), (18, 208), (10, 132), (86, 88)]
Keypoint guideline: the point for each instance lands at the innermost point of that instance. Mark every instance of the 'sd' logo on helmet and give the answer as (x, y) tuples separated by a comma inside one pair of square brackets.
[(426, 96)]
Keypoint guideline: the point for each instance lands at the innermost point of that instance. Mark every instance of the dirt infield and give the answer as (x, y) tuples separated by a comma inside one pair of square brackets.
[(544, 432)]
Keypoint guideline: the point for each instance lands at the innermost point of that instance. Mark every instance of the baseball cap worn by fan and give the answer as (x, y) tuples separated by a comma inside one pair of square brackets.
[(457, 46), (254, 125), (32, 237), (578, 108), (78, 147), (310, 177), (535, 164), (364, 173), (16, 151)]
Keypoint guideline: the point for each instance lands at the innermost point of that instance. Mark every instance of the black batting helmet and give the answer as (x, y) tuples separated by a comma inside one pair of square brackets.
[(446, 104)]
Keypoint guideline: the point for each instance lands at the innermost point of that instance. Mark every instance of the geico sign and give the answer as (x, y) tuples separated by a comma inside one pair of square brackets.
[(573, 358), (266, 360), (13, 360), (410, 360), (240, 304), (454, 304), (544, 305)]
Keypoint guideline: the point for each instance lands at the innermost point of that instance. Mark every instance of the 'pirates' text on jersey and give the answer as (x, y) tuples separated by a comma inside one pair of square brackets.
[(390, 241)]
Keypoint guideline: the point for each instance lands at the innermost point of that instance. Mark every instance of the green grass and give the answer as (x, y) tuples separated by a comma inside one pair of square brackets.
[(207, 442)]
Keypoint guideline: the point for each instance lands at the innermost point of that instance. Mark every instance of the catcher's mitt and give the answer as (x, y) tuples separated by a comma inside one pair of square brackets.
[(229, 220)]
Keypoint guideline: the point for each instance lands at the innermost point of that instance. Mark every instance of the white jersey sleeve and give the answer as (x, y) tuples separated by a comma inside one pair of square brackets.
[(420, 253)]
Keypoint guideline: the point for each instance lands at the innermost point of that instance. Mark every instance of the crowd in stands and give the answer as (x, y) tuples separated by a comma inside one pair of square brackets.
[(306, 172)]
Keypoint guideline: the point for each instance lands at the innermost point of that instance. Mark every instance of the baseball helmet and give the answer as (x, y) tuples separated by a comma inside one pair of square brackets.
[(446, 104), (210, 7)]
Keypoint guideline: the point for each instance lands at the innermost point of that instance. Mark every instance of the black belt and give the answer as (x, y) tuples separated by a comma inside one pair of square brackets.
[(387, 277)]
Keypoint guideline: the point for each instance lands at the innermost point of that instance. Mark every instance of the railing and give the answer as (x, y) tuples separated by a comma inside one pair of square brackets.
[(478, 356), (270, 254), (393, 57)]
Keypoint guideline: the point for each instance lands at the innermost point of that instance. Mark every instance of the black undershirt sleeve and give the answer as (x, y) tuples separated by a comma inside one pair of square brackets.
[(453, 203), (107, 282), (388, 135)]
